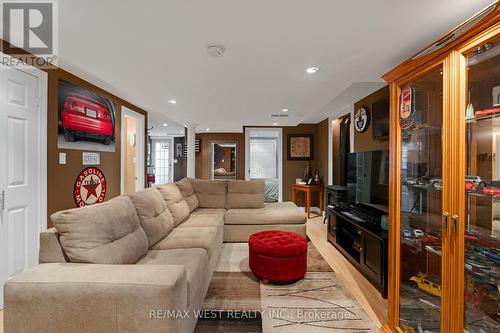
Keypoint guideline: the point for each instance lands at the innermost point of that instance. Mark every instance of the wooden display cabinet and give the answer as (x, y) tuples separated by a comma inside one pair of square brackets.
[(444, 210)]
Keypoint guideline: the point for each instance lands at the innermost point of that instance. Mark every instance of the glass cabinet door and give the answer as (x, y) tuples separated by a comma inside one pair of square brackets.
[(421, 121), (482, 191)]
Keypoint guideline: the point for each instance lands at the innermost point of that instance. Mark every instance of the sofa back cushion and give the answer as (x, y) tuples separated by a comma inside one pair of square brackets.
[(175, 202), (106, 233), (153, 213), (210, 193), (245, 194), (188, 193)]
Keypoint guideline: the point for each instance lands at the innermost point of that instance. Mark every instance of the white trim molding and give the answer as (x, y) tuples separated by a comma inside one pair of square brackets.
[(140, 144)]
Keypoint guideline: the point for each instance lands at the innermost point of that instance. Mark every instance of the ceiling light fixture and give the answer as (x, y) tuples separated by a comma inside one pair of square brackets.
[(275, 124), (284, 110), (165, 124), (172, 101), (312, 70)]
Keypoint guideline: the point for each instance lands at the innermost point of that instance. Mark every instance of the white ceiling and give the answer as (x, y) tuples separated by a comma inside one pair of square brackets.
[(148, 52), (161, 125)]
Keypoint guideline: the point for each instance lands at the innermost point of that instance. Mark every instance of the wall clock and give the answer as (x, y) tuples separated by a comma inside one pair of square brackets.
[(362, 119)]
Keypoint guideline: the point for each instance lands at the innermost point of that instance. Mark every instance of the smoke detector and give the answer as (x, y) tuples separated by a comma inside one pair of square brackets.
[(215, 50)]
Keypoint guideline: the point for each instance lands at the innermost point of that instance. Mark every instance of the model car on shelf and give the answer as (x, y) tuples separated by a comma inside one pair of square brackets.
[(418, 233), (424, 181), (83, 116), (490, 187), (479, 239), (426, 285), (410, 181), (487, 112), (471, 182), (434, 249), (437, 183)]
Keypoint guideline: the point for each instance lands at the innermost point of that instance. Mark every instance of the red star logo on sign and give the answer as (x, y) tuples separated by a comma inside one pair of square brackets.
[(91, 187)]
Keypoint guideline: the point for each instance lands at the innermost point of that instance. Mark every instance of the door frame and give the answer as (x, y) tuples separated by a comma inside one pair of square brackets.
[(41, 158), (280, 154), (140, 146)]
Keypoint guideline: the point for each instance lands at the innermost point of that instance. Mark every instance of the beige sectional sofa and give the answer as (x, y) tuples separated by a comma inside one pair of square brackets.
[(141, 262)]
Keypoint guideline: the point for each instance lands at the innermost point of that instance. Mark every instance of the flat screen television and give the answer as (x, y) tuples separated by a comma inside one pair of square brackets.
[(380, 119), (368, 179)]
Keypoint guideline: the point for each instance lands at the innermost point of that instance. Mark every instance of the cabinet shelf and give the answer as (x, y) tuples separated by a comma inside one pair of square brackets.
[(486, 117)]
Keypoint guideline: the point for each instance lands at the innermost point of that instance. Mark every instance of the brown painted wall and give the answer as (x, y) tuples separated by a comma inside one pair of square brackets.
[(295, 169), (364, 141), (61, 178), (203, 157)]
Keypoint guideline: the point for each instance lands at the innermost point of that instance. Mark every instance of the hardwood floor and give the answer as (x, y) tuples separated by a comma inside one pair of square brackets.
[(367, 296)]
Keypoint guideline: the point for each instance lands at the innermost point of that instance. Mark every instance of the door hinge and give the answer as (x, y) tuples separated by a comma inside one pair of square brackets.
[(2, 200)]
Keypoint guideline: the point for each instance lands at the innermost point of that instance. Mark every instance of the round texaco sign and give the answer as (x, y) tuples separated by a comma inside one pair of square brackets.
[(90, 187)]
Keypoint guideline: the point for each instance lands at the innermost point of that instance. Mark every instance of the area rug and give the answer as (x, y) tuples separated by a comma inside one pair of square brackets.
[(239, 302)]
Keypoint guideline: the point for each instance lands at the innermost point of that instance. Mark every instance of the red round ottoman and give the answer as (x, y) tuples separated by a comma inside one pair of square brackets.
[(278, 256)]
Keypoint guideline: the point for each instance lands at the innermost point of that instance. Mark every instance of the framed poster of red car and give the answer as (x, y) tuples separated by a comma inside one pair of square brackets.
[(86, 119)]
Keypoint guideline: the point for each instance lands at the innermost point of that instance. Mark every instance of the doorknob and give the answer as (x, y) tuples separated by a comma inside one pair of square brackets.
[(455, 222), (446, 215)]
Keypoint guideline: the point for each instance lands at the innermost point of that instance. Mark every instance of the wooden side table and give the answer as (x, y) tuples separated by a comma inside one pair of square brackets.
[(308, 189)]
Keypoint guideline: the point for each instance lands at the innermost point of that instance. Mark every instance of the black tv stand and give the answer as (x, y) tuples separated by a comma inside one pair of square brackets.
[(353, 230)]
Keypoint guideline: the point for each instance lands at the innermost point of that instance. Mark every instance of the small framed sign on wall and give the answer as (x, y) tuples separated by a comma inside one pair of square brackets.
[(300, 147)]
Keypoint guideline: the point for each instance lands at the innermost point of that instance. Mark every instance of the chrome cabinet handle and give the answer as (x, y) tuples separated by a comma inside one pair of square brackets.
[(446, 215), (455, 219)]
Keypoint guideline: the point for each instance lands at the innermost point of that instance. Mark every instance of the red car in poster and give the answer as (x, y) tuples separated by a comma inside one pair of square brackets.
[(86, 117)]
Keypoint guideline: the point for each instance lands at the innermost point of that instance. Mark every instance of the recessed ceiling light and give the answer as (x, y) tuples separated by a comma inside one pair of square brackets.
[(215, 50), (172, 101), (284, 110), (275, 124), (208, 130), (165, 124), (312, 70)]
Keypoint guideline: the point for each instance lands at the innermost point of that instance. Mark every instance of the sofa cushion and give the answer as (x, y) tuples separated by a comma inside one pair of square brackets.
[(105, 233), (209, 211), (245, 194), (155, 218), (272, 213), (210, 193), (195, 261), (188, 193), (207, 238), (176, 204), (208, 220)]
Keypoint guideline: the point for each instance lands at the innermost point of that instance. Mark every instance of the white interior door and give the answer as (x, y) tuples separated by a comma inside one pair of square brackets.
[(263, 158), (135, 139), (19, 165)]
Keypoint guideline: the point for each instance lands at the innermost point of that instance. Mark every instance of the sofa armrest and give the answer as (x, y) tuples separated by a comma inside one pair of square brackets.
[(66, 297), (50, 248)]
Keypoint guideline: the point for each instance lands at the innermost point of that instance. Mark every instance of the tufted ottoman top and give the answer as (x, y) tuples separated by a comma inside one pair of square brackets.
[(277, 243)]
